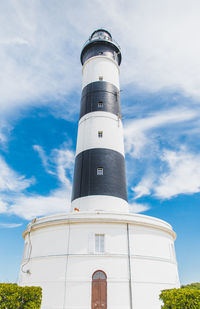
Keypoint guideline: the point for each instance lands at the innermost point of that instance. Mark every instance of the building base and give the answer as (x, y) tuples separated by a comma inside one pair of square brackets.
[(61, 256)]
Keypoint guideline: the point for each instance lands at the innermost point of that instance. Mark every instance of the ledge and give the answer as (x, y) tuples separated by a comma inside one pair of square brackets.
[(100, 217)]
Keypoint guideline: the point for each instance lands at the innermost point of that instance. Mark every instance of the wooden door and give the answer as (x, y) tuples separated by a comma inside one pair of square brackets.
[(99, 290)]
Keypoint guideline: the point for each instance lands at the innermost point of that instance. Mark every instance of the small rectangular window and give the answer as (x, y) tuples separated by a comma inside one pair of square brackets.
[(100, 77), (99, 243), (100, 171), (100, 134), (100, 104)]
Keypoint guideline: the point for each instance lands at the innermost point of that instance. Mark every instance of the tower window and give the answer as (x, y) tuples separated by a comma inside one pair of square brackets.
[(100, 134), (100, 104), (100, 77), (100, 171), (99, 243)]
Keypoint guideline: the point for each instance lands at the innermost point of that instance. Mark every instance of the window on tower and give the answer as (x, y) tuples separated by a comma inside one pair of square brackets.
[(100, 77), (99, 243), (100, 134), (99, 171), (100, 104)]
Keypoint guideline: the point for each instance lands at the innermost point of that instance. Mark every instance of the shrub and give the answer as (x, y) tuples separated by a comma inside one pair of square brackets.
[(195, 285), (13, 296), (181, 299)]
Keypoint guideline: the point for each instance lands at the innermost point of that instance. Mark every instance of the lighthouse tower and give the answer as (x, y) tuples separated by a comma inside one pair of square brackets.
[(99, 175), (99, 255)]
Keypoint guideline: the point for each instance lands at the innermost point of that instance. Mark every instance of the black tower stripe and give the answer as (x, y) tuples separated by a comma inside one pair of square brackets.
[(97, 92), (87, 182), (104, 48)]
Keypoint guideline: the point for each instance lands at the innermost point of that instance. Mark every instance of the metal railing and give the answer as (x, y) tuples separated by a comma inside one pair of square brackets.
[(103, 39)]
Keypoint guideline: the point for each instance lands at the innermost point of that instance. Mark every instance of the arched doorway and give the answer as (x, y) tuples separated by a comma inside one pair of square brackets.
[(99, 290)]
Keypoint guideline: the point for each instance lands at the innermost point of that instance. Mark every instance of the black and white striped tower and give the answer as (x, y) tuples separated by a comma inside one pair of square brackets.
[(99, 175)]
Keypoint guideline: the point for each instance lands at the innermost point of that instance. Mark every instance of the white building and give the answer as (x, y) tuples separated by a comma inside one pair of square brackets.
[(99, 255)]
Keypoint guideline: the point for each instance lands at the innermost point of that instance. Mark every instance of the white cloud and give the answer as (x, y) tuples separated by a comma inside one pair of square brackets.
[(161, 36), (58, 162), (143, 187), (136, 132), (138, 208), (29, 207), (39, 59), (15, 200), (10, 180), (10, 225), (183, 175), (3, 207), (40, 46), (36, 59), (44, 158), (65, 162), (178, 172), (59, 200)]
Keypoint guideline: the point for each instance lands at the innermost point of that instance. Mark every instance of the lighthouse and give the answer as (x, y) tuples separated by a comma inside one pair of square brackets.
[(99, 255), (99, 174)]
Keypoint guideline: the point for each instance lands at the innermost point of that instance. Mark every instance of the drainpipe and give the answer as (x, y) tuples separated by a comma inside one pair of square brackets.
[(129, 266)]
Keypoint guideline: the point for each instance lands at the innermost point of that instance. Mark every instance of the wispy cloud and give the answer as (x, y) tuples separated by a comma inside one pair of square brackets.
[(35, 54), (39, 59), (144, 187), (3, 206), (58, 162), (10, 225), (15, 200), (179, 174), (44, 158), (182, 175), (12, 181), (40, 46), (31, 206), (136, 132), (138, 208), (65, 162)]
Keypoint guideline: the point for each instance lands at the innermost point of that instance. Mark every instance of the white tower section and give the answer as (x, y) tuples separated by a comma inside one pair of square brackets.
[(100, 66)]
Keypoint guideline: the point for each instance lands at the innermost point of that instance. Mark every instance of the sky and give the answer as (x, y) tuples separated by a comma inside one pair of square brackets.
[(40, 88)]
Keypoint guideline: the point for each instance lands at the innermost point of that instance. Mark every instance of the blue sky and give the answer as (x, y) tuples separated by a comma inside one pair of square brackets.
[(40, 87)]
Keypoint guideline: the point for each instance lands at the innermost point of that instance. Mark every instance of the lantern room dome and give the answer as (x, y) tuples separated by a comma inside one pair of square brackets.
[(101, 34), (101, 43)]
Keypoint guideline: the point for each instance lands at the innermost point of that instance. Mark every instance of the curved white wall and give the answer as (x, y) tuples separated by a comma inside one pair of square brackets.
[(109, 124), (105, 203), (98, 66), (63, 259)]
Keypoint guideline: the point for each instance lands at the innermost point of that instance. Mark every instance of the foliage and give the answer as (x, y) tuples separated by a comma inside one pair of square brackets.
[(13, 296), (195, 285), (185, 298)]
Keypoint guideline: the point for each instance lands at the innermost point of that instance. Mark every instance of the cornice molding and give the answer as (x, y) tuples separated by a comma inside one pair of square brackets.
[(100, 217)]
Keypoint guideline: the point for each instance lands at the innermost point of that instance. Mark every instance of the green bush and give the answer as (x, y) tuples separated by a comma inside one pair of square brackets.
[(195, 285), (13, 296), (181, 299)]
